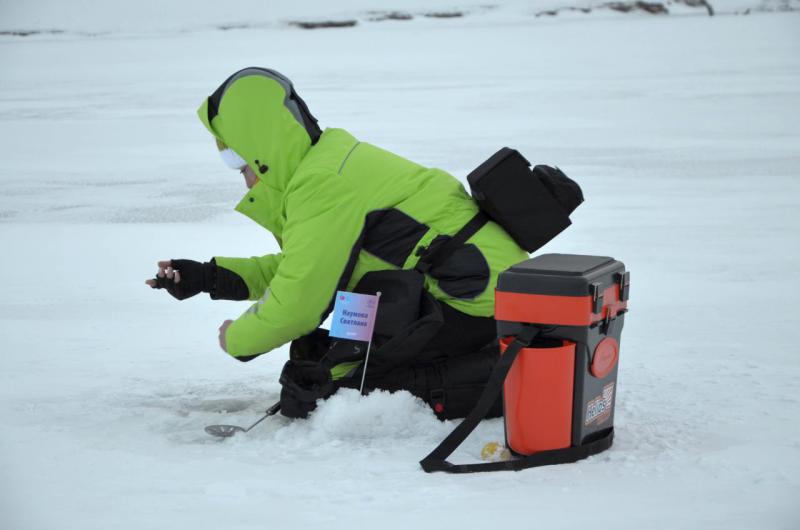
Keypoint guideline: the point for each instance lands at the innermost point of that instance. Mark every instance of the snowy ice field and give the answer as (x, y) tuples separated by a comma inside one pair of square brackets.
[(684, 131)]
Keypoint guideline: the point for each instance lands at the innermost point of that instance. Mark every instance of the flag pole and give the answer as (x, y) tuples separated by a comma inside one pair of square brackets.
[(369, 345)]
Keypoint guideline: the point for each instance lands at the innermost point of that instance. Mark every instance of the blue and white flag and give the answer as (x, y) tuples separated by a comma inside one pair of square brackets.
[(354, 316)]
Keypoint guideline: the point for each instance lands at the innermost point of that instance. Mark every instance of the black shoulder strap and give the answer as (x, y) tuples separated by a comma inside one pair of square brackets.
[(436, 460), (443, 251)]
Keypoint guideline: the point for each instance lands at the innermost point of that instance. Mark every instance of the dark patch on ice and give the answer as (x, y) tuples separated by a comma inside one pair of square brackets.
[(50, 32), (374, 16), (698, 3), (380, 16), (444, 14), (654, 8), (774, 6), (554, 12), (324, 24), (29, 32), (228, 27), (65, 207)]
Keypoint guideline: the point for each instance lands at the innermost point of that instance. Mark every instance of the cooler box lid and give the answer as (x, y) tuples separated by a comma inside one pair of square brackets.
[(562, 290), (559, 274)]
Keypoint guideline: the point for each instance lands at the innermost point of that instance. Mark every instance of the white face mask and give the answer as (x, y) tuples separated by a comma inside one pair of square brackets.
[(231, 159)]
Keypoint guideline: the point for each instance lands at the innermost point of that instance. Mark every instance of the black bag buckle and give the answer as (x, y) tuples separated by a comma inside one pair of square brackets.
[(423, 265)]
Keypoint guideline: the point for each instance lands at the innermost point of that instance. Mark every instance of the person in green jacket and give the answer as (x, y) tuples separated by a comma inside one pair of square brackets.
[(339, 209)]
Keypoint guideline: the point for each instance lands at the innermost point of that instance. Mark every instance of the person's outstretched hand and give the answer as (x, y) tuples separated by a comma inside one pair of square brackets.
[(222, 329), (182, 278)]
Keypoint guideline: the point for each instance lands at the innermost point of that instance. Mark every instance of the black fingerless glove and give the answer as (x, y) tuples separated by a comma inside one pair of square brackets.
[(196, 277), (228, 285)]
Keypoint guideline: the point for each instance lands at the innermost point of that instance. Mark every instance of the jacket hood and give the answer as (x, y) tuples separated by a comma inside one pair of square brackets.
[(257, 113)]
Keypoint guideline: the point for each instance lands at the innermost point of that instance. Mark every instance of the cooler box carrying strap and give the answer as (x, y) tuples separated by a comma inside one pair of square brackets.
[(437, 459)]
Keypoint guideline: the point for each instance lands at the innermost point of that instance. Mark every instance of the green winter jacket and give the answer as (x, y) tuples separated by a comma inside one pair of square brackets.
[(338, 208)]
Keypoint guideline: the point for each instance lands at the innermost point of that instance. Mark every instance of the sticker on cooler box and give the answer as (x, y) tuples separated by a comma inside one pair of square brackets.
[(599, 409)]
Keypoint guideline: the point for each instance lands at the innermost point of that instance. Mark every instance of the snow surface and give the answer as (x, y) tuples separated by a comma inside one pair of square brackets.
[(682, 130)]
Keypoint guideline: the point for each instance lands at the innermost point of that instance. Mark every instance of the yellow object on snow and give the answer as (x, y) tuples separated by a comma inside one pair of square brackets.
[(495, 452)]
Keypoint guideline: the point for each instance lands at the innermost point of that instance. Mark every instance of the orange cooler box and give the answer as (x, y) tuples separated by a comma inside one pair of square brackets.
[(560, 390)]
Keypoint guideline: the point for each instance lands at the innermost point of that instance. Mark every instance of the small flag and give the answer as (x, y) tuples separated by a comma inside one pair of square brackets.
[(354, 316)]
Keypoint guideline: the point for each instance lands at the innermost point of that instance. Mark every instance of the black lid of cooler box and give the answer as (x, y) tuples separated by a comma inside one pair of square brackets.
[(562, 264), (559, 274)]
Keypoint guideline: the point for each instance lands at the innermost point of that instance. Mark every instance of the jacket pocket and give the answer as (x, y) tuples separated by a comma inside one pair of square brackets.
[(464, 274)]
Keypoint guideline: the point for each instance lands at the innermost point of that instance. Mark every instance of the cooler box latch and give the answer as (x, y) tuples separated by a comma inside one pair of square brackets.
[(596, 290), (624, 281)]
